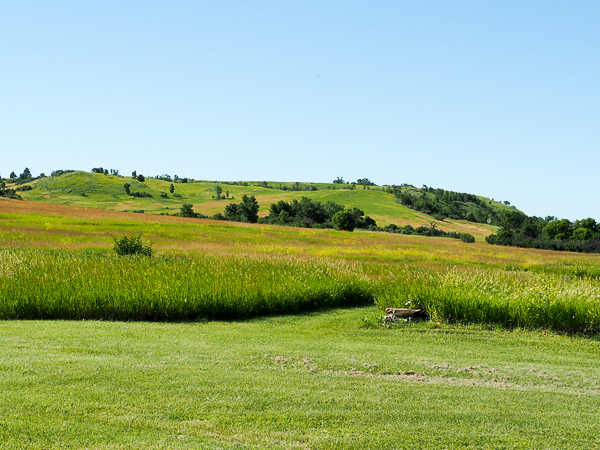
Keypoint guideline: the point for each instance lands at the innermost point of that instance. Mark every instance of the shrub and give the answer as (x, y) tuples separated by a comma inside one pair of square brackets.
[(343, 220), (468, 238), (132, 246), (187, 210)]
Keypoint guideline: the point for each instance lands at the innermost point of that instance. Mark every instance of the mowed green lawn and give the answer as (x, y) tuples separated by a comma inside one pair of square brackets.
[(327, 379)]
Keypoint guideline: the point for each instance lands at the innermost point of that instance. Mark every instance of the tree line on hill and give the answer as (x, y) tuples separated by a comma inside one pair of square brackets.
[(442, 204), (516, 229), (308, 213), (19, 181)]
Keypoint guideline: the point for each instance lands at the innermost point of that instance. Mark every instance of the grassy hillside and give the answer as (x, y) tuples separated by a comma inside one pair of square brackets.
[(107, 192)]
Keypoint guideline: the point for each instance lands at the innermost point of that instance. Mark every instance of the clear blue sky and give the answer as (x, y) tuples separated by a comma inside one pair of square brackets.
[(499, 98)]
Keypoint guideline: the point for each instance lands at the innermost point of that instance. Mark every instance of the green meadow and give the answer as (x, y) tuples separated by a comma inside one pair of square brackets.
[(255, 336)]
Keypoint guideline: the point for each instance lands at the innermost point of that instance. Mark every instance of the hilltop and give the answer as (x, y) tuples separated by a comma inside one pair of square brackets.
[(153, 196)]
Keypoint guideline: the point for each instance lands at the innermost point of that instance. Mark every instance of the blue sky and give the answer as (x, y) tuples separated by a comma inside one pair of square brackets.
[(500, 99)]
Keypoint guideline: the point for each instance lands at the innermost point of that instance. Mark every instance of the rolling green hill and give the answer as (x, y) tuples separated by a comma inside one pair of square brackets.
[(107, 192)]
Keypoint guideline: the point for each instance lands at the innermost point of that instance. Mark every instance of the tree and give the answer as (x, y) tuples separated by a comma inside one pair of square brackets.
[(343, 220), (26, 174), (13, 175), (134, 174), (581, 234), (588, 224), (187, 210), (218, 192), (127, 187), (171, 188), (97, 170), (141, 178), (558, 230), (339, 180), (249, 208), (232, 212)]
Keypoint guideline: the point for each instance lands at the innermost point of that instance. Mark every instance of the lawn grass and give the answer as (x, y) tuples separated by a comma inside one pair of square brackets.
[(315, 381)]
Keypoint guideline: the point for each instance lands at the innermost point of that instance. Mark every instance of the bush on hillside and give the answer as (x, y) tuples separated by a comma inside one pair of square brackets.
[(127, 246), (343, 220), (468, 238)]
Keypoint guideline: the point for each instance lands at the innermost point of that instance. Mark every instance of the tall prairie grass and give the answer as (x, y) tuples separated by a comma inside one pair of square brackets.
[(51, 284), (494, 296), (42, 284)]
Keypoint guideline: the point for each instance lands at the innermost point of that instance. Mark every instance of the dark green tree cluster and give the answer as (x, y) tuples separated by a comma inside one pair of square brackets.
[(245, 211), (365, 182), (8, 192), (104, 171), (309, 213), (518, 230), (25, 177), (432, 230), (141, 178), (58, 173), (442, 204)]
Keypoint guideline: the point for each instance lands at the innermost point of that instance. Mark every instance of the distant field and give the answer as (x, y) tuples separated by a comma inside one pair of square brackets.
[(45, 225), (107, 192)]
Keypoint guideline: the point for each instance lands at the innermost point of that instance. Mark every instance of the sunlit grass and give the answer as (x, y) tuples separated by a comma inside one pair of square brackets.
[(37, 284), (107, 191), (508, 298), (449, 278)]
